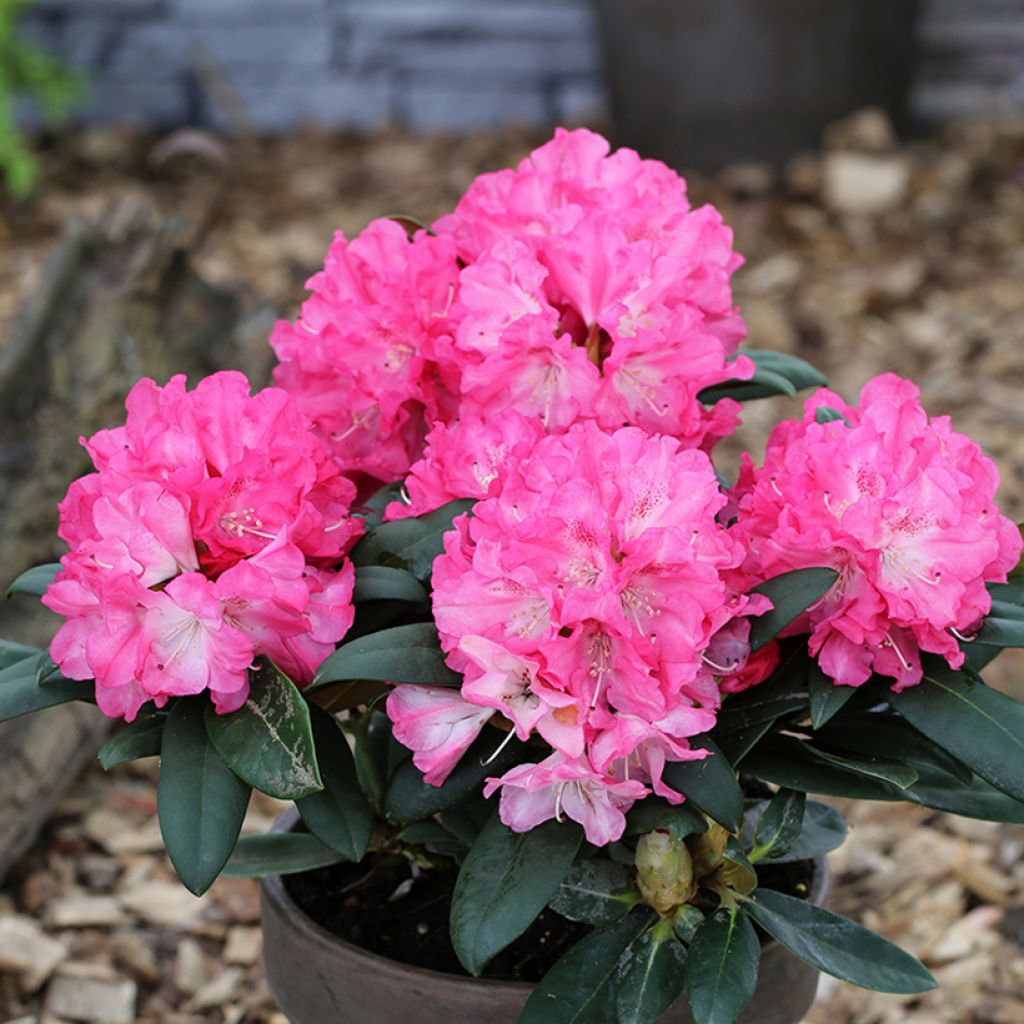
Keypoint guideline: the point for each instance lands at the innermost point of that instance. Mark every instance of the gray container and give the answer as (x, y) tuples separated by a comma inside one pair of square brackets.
[(317, 978), (698, 83)]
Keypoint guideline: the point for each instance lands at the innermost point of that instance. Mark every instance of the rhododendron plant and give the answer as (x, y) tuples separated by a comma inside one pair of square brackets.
[(468, 586)]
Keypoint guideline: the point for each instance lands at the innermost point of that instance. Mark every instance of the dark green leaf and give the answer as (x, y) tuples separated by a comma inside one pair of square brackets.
[(710, 783), (827, 698), (200, 800), (373, 738), (736, 745), (21, 691), (576, 989), (901, 775), (411, 544), (823, 830), (140, 739), (596, 892), (1002, 632), (11, 653), (402, 654), (837, 946), (409, 798), (654, 813), (777, 373), (976, 724), (279, 853), (780, 825), (786, 761), (791, 594), (34, 581), (826, 414), (975, 799), (685, 922), (651, 979), (506, 880), (339, 814), (721, 968), (889, 736), (268, 742), (783, 693), (382, 582)]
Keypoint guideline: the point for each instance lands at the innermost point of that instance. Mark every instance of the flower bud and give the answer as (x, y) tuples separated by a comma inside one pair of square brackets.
[(708, 848), (664, 870)]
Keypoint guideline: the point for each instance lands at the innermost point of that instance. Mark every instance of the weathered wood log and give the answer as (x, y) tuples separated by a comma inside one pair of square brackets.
[(118, 301)]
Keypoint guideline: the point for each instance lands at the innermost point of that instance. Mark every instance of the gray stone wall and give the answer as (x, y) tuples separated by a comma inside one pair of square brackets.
[(425, 64), (428, 64)]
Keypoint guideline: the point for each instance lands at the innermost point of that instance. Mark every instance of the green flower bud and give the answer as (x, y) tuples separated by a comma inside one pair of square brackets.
[(664, 871)]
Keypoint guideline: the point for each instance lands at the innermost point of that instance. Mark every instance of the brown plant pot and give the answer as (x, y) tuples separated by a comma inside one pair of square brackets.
[(317, 978)]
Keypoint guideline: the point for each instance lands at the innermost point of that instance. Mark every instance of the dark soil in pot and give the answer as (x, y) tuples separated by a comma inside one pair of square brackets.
[(387, 910)]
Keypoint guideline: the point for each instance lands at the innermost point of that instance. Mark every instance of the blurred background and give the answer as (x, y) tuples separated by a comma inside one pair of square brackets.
[(173, 170)]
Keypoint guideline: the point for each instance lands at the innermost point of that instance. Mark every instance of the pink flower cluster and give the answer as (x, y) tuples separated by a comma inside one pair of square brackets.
[(585, 602), (902, 507), (361, 360), (208, 536), (581, 286)]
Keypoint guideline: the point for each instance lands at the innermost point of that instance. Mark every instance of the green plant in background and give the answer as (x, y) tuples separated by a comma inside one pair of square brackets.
[(26, 71)]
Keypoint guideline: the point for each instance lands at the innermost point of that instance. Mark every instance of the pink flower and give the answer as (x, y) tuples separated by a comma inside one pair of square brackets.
[(210, 535), (534, 793), (437, 725), (361, 361), (598, 290), (469, 459), (902, 507), (581, 602)]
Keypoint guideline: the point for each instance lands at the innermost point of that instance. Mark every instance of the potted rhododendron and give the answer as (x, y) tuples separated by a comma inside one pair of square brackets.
[(548, 691)]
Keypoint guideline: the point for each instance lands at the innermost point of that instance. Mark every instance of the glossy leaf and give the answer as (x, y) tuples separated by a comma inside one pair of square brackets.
[(777, 373), (339, 815), (34, 581), (791, 594), (827, 699), (22, 691), (836, 945), (505, 881), (279, 853), (200, 800), (823, 830), (655, 813), (826, 414), (411, 544), (268, 742), (780, 825), (409, 798), (721, 967), (596, 892), (651, 979), (887, 735), (386, 583), (710, 783), (891, 771), (140, 739), (11, 653), (401, 654), (976, 724), (577, 989)]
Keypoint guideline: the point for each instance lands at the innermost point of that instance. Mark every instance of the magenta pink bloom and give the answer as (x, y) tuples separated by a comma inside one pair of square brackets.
[(579, 602), (469, 459), (211, 534), (436, 724), (361, 360), (593, 290), (903, 507)]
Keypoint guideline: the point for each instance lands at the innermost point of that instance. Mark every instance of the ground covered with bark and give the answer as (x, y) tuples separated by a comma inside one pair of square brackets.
[(866, 257)]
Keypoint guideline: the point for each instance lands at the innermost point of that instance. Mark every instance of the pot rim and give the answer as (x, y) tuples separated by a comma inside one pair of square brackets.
[(274, 890)]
